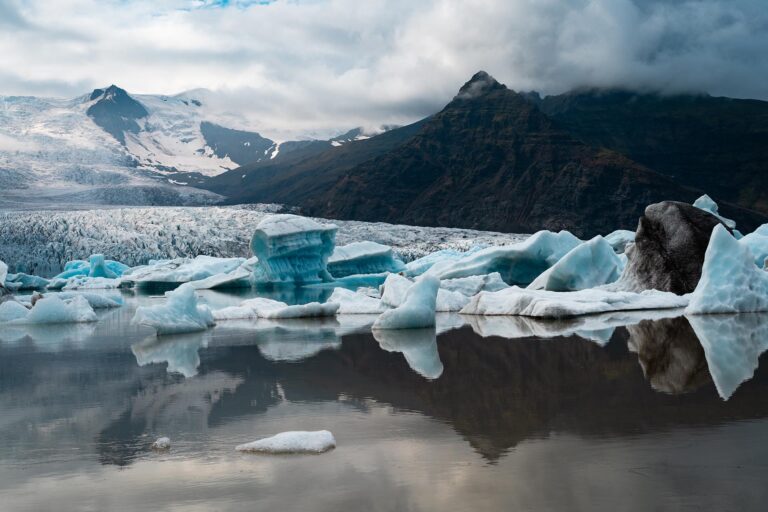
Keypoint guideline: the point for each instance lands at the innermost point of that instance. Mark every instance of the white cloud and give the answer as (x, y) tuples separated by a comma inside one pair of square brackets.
[(294, 67)]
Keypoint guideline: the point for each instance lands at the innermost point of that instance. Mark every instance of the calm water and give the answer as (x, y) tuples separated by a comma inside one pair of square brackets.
[(588, 415)]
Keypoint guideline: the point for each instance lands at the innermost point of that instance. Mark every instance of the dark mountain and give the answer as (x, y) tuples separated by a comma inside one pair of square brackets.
[(240, 146), (716, 144), (492, 160), (116, 112), (304, 168)]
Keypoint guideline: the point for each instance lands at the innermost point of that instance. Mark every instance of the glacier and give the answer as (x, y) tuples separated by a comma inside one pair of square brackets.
[(730, 281), (292, 249), (179, 313), (292, 442), (518, 264), (593, 263), (417, 309), (363, 258)]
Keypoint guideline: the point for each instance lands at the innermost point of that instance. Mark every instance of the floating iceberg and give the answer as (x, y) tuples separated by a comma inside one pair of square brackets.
[(417, 309), (547, 304), (395, 290), (21, 281), (518, 264), (87, 283), (730, 281), (473, 285), (237, 278), (292, 249), (419, 346), (591, 264), (363, 258), (50, 309), (758, 245), (708, 205), (732, 345), (182, 270), (620, 239), (292, 442), (356, 303), (96, 266), (178, 314), (179, 351), (261, 307), (96, 300)]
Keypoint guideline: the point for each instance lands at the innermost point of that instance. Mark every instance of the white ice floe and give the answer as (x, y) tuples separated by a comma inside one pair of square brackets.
[(708, 205), (591, 264), (50, 309), (96, 300), (732, 346), (162, 444), (182, 270), (262, 307), (21, 281), (292, 249), (730, 281), (356, 303), (473, 285), (395, 290), (88, 283), (418, 346), (417, 309), (292, 442), (363, 258), (518, 264), (179, 313), (547, 304)]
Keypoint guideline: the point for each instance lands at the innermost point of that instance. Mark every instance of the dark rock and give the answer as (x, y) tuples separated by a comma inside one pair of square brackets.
[(116, 112), (669, 248), (670, 354)]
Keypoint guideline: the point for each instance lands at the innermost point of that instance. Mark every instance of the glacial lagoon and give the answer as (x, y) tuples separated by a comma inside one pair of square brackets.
[(630, 412)]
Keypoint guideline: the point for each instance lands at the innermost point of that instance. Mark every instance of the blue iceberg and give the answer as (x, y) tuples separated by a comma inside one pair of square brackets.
[(590, 264), (363, 258)]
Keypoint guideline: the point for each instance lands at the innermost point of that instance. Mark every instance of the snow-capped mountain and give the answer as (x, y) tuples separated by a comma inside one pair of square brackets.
[(112, 147)]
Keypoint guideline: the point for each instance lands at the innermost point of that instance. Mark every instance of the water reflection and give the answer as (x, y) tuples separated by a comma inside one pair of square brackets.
[(419, 346), (179, 351)]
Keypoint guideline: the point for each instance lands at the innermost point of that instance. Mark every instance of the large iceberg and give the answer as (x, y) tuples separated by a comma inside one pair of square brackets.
[(292, 249), (363, 258), (417, 309), (730, 281), (49, 310), (292, 442), (547, 304), (593, 263), (708, 205), (178, 314), (518, 264)]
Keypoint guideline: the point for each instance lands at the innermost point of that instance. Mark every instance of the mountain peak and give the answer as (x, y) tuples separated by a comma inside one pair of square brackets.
[(480, 84), (110, 93)]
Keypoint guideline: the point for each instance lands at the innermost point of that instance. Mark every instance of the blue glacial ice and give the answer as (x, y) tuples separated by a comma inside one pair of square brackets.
[(620, 239), (21, 281), (363, 258), (548, 304), (292, 442), (732, 346), (758, 245), (473, 285), (395, 290), (730, 281), (50, 309), (441, 258), (418, 346), (96, 266), (518, 264), (708, 205), (179, 313), (417, 309), (593, 263), (292, 249)]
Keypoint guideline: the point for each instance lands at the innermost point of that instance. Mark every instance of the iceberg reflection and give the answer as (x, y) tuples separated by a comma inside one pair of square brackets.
[(178, 350), (419, 346)]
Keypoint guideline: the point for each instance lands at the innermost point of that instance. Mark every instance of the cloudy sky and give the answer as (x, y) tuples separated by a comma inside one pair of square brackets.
[(292, 67)]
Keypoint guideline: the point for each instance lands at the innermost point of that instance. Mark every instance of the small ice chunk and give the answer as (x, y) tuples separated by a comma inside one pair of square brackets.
[(162, 444), (11, 310), (730, 281), (180, 313), (363, 258), (620, 239), (292, 442), (262, 307), (356, 303), (53, 310), (3, 272), (588, 265), (708, 205), (89, 283), (417, 309), (547, 304)]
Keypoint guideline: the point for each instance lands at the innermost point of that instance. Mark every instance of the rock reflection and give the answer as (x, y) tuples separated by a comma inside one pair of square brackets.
[(419, 346), (732, 345), (670, 354)]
